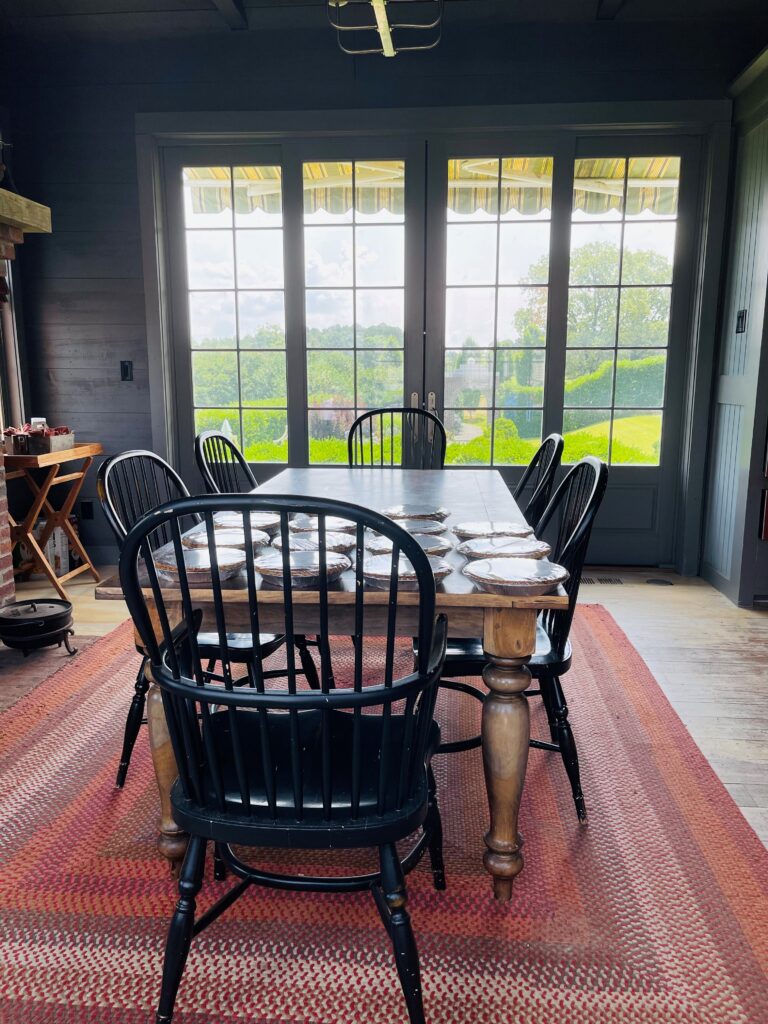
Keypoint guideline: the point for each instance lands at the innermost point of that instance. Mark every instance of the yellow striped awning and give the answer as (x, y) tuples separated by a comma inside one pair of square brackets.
[(521, 184)]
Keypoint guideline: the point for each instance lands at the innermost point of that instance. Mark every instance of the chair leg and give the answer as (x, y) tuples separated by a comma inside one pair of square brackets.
[(546, 699), (132, 724), (564, 739), (180, 931), (394, 899), (308, 666), (434, 825), (219, 865)]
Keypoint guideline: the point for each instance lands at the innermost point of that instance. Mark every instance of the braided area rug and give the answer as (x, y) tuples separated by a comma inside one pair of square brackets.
[(655, 912)]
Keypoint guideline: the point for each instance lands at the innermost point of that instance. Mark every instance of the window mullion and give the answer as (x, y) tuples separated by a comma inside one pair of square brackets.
[(557, 306), (295, 326), (241, 424)]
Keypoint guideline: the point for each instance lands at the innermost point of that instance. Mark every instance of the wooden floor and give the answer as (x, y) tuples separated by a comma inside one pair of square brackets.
[(709, 657)]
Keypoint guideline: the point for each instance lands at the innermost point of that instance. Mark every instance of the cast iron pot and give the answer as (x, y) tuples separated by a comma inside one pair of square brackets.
[(30, 625)]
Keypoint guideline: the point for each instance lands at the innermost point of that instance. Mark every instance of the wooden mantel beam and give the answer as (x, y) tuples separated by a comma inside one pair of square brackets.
[(18, 216), (28, 216), (233, 13)]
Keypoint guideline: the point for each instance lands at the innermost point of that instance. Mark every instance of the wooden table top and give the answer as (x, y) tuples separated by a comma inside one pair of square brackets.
[(80, 450), (467, 494)]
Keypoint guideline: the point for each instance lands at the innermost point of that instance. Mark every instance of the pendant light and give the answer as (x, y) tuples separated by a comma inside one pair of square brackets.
[(387, 27)]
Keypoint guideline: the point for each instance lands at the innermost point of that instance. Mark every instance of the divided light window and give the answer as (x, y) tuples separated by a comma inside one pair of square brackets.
[(233, 219), (354, 260), (620, 291), (497, 294)]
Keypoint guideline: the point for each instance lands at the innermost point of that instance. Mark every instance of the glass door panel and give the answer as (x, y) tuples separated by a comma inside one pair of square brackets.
[(354, 278), (233, 243), (496, 301), (624, 223)]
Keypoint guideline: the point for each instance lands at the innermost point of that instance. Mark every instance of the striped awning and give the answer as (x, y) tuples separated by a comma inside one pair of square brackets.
[(521, 184), (254, 187), (651, 185)]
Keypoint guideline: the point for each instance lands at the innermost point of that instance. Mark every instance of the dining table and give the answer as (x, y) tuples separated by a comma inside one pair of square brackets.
[(506, 622)]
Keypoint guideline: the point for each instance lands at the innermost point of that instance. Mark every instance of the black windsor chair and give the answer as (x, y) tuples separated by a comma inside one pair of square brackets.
[(222, 465), (402, 438), (540, 475), (225, 470), (130, 485), (281, 766), (567, 525)]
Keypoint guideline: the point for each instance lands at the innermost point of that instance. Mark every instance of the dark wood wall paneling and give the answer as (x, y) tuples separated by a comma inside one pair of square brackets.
[(73, 103)]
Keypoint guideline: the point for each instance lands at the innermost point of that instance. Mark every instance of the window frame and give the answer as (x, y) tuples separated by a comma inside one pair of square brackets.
[(566, 146), (331, 147), (180, 404), (290, 154), (687, 148), (503, 143), (427, 305)]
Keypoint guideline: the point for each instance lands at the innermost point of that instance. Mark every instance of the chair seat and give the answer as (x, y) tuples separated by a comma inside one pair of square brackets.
[(465, 657), (240, 645), (255, 825)]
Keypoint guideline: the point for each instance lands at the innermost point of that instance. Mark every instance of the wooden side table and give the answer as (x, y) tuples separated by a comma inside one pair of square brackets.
[(20, 467)]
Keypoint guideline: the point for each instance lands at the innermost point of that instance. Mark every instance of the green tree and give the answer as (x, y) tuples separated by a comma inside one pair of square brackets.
[(644, 311)]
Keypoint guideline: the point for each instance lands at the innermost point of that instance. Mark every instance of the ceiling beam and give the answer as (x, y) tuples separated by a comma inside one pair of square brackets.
[(233, 13), (608, 9)]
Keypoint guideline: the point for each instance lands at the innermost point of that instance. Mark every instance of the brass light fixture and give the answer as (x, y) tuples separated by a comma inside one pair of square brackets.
[(387, 27)]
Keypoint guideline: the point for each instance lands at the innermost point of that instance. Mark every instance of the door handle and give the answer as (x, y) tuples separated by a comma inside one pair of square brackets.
[(431, 402), (415, 400)]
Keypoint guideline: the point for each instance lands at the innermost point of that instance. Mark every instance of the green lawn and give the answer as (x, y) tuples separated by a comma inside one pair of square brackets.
[(635, 441)]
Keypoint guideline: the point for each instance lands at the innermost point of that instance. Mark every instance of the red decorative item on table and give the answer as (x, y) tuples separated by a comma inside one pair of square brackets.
[(39, 441)]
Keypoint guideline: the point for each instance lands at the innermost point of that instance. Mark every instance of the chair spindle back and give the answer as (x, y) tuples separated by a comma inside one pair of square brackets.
[(133, 483), (389, 438), (540, 476), (222, 465), (567, 525), (209, 744)]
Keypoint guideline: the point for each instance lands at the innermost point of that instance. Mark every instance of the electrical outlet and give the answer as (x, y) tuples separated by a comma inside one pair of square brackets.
[(741, 321), (86, 510), (126, 369)]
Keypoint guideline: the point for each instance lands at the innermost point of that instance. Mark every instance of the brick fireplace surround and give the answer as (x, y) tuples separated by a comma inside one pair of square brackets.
[(7, 587)]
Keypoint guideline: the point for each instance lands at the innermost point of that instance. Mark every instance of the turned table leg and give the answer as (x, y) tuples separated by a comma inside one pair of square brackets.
[(509, 640), (171, 841)]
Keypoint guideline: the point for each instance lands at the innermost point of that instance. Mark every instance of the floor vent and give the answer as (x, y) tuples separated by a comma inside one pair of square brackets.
[(615, 581)]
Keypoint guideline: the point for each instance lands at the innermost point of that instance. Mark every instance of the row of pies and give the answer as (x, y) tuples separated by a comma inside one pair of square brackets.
[(503, 556)]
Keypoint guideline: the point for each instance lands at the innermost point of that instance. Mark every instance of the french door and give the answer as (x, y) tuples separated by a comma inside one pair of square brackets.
[(297, 283), (515, 284), (558, 290)]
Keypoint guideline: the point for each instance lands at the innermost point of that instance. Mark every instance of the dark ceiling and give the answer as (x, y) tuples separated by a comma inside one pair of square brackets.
[(158, 18)]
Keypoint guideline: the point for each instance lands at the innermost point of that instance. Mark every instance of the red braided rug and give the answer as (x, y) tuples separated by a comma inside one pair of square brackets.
[(654, 913)]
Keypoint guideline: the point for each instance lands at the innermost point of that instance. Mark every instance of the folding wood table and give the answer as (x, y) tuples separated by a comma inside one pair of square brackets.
[(22, 467)]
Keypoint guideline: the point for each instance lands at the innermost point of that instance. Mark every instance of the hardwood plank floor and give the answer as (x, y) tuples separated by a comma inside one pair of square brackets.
[(92, 617), (711, 660), (709, 657)]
